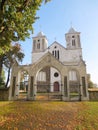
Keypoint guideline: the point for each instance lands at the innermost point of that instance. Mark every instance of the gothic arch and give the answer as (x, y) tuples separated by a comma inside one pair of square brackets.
[(48, 61), (74, 84)]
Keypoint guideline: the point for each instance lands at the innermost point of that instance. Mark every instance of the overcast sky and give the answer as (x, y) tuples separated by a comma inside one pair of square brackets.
[(56, 18)]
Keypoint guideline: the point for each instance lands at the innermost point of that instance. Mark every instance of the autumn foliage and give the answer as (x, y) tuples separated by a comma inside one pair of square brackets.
[(48, 115)]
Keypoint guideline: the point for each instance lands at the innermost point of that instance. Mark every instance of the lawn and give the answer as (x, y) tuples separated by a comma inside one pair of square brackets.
[(48, 115)]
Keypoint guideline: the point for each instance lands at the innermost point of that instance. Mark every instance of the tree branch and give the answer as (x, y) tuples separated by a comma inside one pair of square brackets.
[(25, 3)]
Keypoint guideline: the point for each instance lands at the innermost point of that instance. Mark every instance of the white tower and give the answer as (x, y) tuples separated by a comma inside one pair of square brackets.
[(72, 39), (40, 44)]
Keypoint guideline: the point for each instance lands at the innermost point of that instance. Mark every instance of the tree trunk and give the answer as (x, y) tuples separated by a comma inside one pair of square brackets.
[(1, 67), (8, 77), (2, 4)]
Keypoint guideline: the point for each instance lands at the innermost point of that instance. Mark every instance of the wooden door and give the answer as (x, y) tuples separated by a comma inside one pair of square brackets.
[(56, 86)]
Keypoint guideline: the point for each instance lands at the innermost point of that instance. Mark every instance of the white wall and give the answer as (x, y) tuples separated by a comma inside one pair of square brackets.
[(54, 79), (66, 55)]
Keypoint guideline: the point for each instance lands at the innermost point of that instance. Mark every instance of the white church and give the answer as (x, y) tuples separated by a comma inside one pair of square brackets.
[(54, 69)]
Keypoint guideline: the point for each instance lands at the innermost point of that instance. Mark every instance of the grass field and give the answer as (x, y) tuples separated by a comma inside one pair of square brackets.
[(48, 115)]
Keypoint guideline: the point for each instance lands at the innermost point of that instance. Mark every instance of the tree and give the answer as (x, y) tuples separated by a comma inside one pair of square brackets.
[(15, 54), (2, 79), (90, 84), (16, 19)]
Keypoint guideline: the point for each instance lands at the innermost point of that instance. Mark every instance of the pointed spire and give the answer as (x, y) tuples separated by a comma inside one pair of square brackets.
[(71, 30)]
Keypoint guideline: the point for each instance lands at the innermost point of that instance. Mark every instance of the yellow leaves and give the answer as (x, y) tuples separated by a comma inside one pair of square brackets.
[(15, 128), (40, 116), (19, 15)]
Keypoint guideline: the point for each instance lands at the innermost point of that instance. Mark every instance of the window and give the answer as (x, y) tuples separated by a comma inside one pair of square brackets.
[(72, 75), (38, 46), (73, 42), (34, 41), (43, 41), (78, 37), (41, 76), (34, 46), (56, 54), (52, 52), (56, 74)]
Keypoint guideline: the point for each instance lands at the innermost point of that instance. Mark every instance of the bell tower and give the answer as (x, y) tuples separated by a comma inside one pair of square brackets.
[(40, 43), (72, 39)]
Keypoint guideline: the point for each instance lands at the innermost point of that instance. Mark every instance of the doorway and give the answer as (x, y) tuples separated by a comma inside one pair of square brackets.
[(23, 85), (56, 87)]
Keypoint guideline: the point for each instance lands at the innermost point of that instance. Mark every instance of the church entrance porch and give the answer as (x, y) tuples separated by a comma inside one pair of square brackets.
[(49, 79)]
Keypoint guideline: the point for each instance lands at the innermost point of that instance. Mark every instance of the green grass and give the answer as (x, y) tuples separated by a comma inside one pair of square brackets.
[(48, 115), (88, 117)]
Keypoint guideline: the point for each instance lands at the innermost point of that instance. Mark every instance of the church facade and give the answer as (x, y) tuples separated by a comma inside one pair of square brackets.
[(54, 69)]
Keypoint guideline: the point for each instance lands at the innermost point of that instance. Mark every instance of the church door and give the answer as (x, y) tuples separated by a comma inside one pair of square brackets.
[(56, 86)]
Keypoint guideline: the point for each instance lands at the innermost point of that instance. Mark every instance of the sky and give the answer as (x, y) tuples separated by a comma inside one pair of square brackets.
[(57, 17)]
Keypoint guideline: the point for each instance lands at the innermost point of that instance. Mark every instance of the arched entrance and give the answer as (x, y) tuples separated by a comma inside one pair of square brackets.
[(22, 85), (56, 86), (74, 86), (48, 84)]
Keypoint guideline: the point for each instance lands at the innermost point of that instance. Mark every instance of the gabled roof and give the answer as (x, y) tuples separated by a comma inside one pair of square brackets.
[(47, 58), (55, 42)]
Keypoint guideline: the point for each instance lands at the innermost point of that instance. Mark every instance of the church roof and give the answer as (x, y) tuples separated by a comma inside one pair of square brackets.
[(55, 42), (72, 30), (40, 34)]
